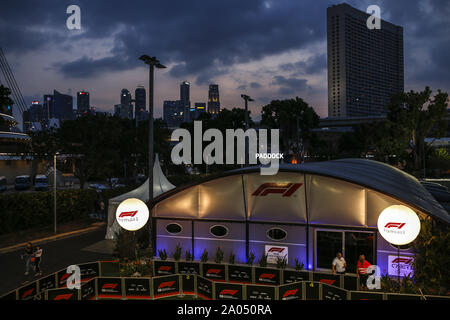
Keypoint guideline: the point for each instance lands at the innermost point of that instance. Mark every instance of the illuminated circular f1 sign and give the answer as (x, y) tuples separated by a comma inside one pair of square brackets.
[(132, 214), (398, 225)]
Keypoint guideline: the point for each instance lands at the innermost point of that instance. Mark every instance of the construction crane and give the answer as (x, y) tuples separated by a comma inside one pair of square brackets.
[(11, 83)]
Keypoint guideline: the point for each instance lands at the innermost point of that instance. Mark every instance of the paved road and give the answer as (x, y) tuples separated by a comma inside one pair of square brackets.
[(57, 255)]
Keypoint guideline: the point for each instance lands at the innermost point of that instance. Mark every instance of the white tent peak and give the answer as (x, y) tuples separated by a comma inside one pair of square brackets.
[(160, 185)]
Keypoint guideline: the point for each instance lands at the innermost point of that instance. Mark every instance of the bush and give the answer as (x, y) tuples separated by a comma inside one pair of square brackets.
[(22, 211), (298, 265), (263, 261), (251, 258), (177, 253), (232, 258), (188, 256), (219, 255), (162, 254), (204, 256)]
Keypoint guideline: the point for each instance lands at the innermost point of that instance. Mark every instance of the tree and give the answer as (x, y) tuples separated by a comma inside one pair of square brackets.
[(431, 258), (418, 115), (5, 100), (291, 116)]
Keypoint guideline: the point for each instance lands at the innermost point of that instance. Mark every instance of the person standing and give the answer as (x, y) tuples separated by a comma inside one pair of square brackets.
[(28, 255), (37, 261), (339, 265), (361, 271)]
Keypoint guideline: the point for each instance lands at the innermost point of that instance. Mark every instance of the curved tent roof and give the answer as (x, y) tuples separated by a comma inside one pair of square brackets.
[(370, 174)]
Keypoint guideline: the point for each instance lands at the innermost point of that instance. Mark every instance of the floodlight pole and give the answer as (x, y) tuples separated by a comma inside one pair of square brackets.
[(151, 62), (246, 99)]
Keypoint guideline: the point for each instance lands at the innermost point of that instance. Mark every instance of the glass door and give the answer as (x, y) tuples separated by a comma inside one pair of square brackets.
[(356, 244), (328, 243)]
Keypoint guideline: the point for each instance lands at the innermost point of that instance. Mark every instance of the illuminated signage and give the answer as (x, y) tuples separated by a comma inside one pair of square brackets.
[(132, 214), (404, 262), (398, 225), (275, 252)]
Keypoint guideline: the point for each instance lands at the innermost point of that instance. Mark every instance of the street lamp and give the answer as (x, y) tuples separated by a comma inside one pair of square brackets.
[(152, 62), (246, 99)]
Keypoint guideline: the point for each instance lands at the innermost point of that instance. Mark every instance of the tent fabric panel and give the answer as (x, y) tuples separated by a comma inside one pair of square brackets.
[(280, 197), (222, 198), (335, 202)]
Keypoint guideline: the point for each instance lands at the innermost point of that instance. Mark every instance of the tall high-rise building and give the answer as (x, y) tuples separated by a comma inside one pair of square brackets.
[(126, 110), (82, 101), (213, 99), (62, 106), (365, 66), (140, 101), (185, 99)]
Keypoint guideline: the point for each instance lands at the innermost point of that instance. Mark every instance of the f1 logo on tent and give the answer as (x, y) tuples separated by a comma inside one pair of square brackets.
[(287, 189)]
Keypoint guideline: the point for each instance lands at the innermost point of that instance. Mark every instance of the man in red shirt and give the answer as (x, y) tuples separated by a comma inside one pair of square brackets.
[(361, 271)]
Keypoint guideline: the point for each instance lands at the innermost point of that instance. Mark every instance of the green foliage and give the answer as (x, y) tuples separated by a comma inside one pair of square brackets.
[(219, 255), (263, 261), (251, 258), (125, 245), (232, 258), (283, 115), (204, 256), (298, 265), (23, 210), (419, 115), (432, 258), (162, 254), (188, 256), (281, 262), (177, 253), (5, 100), (391, 284)]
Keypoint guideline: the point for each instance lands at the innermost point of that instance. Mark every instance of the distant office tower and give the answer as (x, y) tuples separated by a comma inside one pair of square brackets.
[(213, 99), (48, 106), (126, 110), (33, 117), (62, 106), (82, 101), (140, 101), (185, 99), (365, 66), (173, 113)]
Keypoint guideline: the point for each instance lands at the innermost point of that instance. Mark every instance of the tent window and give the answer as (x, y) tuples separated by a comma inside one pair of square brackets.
[(218, 231), (173, 228), (276, 234)]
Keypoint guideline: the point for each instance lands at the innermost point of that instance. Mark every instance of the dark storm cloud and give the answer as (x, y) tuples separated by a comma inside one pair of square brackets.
[(255, 85), (197, 36), (203, 39), (313, 64), (289, 85)]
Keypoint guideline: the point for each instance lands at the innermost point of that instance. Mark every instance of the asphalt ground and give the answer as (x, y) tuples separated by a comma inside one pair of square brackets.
[(57, 255)]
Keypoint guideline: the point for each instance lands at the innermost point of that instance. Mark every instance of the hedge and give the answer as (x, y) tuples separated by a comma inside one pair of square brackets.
[(22, 211)]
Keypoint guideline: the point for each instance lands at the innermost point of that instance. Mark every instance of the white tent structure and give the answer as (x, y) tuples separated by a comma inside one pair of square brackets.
[(160, 185)]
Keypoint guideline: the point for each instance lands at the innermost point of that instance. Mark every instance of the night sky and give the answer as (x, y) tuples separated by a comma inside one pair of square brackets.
[(268, 49)]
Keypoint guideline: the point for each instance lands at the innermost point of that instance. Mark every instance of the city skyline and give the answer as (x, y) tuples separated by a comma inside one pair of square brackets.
[(275, 50)]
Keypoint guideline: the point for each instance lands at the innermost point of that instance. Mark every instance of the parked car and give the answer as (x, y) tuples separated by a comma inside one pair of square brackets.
[(41, 183), (22, 182), (2, 184)]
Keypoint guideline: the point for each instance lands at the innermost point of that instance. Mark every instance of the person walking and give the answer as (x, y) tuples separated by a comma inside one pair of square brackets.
[(28, 255), (37, 261), (338, 265), (361, 271)]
